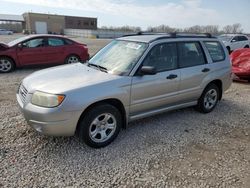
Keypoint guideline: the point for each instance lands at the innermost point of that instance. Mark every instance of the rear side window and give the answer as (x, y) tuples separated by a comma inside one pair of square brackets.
[(68, 41), (190, 54), (242, 38), (55, 42), (215, 50), (163, 57)]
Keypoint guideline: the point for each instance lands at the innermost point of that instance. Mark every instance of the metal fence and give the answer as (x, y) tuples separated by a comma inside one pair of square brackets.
[(95, 33)]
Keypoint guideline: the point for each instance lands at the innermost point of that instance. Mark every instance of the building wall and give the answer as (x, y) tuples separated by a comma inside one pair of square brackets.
[(72, 22), (55, 23)]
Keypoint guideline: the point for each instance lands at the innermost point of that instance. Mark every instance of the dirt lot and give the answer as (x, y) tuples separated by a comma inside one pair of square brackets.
[(182, 148)]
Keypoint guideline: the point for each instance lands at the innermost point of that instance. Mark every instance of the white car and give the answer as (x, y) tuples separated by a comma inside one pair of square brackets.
[(235, 41), (5, 32)]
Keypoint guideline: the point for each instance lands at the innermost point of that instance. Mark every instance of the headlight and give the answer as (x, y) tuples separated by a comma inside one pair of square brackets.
[(46, 99)]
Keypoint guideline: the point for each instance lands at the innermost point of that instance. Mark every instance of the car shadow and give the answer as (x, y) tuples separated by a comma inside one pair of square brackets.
[(171, 132)]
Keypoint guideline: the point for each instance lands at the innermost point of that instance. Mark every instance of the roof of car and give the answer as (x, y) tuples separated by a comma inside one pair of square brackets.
[(45, 35), (150, 37)]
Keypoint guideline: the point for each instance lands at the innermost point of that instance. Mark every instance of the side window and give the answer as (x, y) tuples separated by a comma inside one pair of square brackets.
[(242, 38), (215, 50), (163, 57), (235, 39), (190, 54), (34, 43), (55, 42), (66, 41)]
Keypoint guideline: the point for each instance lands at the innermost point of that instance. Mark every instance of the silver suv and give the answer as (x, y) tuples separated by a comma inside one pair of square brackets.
[(131, 78)]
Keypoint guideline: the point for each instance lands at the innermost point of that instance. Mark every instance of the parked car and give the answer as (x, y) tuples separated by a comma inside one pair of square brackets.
[(6, 32), (235, 41), (131, 78), (40, 49), (241, 63)]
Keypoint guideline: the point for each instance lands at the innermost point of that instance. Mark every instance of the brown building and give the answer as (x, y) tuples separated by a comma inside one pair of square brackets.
[(72, 22), (51, 23)]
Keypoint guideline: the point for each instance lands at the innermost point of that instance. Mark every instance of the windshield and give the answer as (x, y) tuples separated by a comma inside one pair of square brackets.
[(225, 38), (14, 42), (119, 57)]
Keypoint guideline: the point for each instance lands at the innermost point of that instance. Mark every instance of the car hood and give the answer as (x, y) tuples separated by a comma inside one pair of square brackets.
[(61, 79), (4, 46)]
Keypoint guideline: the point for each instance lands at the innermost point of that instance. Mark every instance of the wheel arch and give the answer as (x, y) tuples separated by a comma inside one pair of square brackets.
[(112, 101), (218, 83)]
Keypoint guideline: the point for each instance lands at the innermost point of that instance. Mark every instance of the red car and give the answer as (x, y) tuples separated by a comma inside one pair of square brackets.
[(241, 63), (41, 49)]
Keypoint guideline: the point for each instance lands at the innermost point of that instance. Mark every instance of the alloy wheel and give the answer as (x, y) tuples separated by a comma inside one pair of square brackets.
[(102, 127), (210, 99), (5, 65)]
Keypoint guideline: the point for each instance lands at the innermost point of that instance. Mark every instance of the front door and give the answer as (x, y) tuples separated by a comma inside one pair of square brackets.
[(151, 92), (236, 43), (32, 52)]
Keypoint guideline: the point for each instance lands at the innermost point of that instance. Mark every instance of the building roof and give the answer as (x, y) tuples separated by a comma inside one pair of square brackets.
[(11, 17)]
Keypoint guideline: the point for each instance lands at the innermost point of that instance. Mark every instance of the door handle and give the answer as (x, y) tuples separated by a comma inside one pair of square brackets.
[(171, 76), (205, 70)]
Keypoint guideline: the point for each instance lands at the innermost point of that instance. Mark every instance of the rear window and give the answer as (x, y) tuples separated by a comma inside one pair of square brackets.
[(215, 50)]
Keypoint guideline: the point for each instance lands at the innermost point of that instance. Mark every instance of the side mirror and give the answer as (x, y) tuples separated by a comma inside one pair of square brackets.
[(148, 70), (20, 45)]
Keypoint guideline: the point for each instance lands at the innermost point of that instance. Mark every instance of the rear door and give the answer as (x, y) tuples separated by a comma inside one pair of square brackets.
[(193, 69), (244, 41), (56, 50), (152, 92), (32, 51)]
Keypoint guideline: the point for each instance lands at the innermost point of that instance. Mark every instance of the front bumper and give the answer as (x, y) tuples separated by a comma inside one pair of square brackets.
[(49, 121)]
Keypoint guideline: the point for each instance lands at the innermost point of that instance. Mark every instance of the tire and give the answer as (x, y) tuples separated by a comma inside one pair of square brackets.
[(6, 65), (246, 46), (208, 99), (72, 59), (100, 126), (228, 49)]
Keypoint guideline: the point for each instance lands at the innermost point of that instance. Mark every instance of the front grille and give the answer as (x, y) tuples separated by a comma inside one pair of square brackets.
[(23, 93)]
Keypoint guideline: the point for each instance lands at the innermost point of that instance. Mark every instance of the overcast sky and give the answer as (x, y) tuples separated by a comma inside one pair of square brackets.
[(143, 13)]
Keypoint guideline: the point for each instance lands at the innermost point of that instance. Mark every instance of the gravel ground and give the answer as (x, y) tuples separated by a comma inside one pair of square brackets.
[(182, 148)]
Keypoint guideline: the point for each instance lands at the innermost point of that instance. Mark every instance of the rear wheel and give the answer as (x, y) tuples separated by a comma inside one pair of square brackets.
[(100, 126), (72, 59), (228, 49), (246, 46), (208, 99), (6, 65)]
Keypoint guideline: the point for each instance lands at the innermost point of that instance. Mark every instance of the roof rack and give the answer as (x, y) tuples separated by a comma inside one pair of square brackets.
[(173, 35), (180, 35)]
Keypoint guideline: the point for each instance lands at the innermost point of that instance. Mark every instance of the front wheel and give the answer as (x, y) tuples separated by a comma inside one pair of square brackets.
[(72, 59), (208, 99), (100, 126), (6, 65)]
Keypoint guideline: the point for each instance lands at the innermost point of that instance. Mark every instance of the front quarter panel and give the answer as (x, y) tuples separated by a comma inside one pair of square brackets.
[(80, 99)]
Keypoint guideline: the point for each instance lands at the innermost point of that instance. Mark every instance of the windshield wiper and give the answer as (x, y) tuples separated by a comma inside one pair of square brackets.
[(101, 68)]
